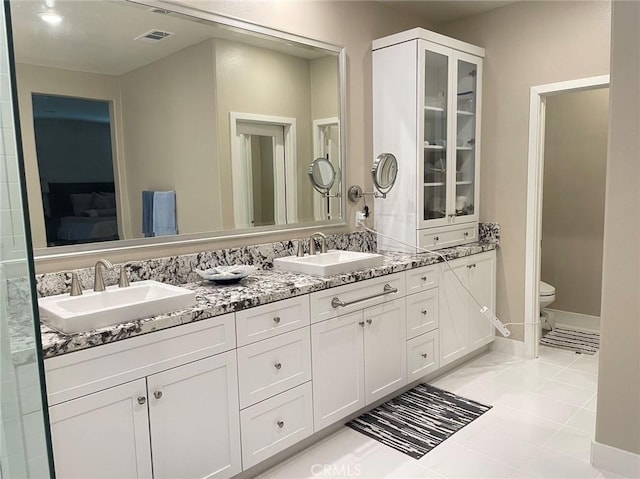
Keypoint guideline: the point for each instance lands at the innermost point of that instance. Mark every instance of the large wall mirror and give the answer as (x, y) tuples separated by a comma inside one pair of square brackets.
[(153, 123)]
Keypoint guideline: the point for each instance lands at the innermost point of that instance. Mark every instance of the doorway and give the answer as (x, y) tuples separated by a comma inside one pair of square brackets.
[(539, 102)]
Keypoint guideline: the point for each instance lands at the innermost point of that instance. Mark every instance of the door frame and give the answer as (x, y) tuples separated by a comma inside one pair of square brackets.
[(537, 112), (239, 181), (319, 201)]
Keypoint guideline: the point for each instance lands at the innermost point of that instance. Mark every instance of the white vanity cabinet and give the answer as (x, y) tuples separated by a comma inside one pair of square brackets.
[(462, 327), (358, 358), (176, 394), (426, 111)]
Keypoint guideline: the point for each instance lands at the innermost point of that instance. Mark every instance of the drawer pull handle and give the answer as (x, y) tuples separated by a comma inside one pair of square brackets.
[(424, 355), (277, 366), (157, 394), (142, 400), (424, 278), (276, 320), (337, 303), (424, 311), (361, 323), (369, 321), (280, 424), (471, 265), (436, 238)]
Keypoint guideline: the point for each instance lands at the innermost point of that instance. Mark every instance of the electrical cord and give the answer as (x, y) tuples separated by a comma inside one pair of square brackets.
[(490, 315)]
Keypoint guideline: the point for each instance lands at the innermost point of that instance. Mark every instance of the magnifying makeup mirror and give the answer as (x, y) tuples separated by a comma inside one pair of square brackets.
[(323, 175), (384, 173)]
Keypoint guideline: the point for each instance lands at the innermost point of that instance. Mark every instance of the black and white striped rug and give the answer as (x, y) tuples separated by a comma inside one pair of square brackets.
[(578, 341), (418, 420)]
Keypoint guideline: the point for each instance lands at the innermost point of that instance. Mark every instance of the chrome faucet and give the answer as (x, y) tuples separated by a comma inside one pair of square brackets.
[(312, 242), (98, 280)]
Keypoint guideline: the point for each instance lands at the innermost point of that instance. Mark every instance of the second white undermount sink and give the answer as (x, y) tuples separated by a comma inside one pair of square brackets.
[(91, 310), (329, 263)]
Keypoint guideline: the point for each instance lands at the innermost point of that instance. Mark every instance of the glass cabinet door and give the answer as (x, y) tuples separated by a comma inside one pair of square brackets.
[(436, 105), (465, 153)]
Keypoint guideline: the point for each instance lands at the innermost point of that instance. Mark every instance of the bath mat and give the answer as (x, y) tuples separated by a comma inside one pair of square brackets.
[(418, 420), (578, 341)]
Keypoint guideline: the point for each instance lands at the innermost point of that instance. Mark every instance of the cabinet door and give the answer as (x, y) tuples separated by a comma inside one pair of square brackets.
[(454, 312), (465, 167), (482, 283), (337, 352), (385, 349), (195, 421), (103, 435), (435, 83)]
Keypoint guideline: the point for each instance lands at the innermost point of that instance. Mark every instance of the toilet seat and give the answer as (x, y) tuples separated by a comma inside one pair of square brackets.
[(546, 289)]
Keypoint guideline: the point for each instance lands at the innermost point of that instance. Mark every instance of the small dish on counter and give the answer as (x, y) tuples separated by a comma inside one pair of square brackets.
[(226, 274)]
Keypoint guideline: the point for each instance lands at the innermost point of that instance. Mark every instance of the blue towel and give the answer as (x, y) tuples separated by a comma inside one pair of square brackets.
[(164, 213), (147, 213)]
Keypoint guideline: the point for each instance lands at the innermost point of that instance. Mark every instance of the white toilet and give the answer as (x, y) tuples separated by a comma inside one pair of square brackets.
[(547, 296)]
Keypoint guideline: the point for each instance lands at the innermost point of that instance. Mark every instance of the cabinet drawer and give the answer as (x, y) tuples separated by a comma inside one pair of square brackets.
[(421, 279), (83, 372), (272, 319), (274, 365), (422, 313), (275, 424), (444, 237), (422, 355), (359, 296)]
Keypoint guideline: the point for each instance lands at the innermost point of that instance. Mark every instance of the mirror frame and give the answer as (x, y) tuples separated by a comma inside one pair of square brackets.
[(234, 24)]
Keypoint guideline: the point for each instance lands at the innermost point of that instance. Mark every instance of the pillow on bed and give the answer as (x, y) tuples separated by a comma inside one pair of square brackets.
[(81, 202), (95, 212), (103, 201)]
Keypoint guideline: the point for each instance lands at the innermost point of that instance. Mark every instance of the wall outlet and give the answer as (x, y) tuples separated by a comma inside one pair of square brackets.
[(360, 217)]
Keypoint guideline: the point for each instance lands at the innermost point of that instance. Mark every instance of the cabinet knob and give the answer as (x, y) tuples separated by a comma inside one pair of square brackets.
[(280, 423), (277, 365), (466, 233), (436, 238), (424, 278), (157, 394), (424, 355), (369, 321), (142, 400), (424, 311), (361, 323), (276, 320)]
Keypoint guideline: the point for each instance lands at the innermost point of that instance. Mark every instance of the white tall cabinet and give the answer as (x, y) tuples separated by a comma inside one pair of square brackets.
[(426, 106)]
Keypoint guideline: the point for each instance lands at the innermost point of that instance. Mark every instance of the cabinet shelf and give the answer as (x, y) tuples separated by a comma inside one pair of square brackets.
[(441, 183), (464, 182), (464, 148), (466, 113), (428, 146), (434, 108)]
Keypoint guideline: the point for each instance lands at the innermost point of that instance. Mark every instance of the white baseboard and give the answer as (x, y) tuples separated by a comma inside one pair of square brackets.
[(577, 321), (509, 346), (615, 460)]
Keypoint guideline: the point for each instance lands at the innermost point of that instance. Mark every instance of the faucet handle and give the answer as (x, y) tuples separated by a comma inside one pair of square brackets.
[(123, 280), (300, 248), (76, 289)]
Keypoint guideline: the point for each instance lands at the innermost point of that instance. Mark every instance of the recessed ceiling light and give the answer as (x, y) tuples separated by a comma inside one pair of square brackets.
[(52, 18)]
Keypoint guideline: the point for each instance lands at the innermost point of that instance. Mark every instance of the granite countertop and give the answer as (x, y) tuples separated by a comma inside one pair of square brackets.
[(262, 287)]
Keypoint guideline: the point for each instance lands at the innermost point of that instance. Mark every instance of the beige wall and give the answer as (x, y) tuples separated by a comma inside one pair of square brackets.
[(575, 159), (618, 412), (328, 21), (168, 100), (241, 90), (527, 43), (36, 79)]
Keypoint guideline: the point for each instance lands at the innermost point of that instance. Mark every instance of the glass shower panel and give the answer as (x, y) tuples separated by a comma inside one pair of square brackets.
[(23, 427), (435, 135), (465, 138)]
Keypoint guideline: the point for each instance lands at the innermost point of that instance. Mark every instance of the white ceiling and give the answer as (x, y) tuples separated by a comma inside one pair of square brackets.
[(441, 11)]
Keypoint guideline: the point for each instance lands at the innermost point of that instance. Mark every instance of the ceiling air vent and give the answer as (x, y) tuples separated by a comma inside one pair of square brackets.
[(153, 36)]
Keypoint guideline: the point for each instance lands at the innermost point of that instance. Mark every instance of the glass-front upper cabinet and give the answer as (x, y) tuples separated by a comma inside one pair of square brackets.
[(450, 136)]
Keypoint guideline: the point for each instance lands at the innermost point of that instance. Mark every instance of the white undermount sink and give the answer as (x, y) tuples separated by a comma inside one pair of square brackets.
[(329, 263), (73, 314)]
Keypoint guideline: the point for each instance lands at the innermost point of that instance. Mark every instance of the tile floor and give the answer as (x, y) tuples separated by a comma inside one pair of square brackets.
[(540, 426)]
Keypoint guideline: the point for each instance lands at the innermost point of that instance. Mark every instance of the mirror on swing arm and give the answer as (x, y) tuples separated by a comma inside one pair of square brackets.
[(384, 173)]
